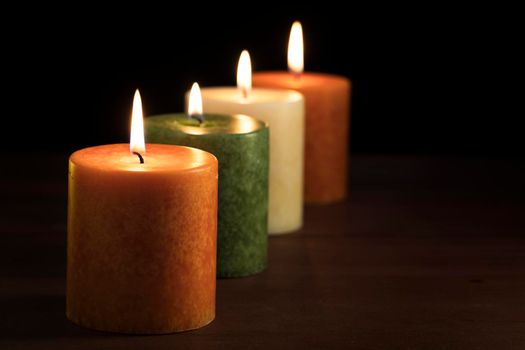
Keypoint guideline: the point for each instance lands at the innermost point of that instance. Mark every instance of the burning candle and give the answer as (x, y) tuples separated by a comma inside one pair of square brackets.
[(241, 145), (142, 228), (327, 102), (283, 110)]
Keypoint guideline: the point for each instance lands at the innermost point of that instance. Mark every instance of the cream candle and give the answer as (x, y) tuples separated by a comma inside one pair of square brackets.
[(283, 110)]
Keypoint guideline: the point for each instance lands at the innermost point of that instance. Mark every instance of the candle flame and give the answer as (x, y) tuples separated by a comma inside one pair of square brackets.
[(295, 49), (136, 142), (195, 101), (244, 74)]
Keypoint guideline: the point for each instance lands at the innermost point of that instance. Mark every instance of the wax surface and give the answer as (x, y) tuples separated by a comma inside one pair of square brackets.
[(142, 239), (327, 101), (283, 110), (241, 145)]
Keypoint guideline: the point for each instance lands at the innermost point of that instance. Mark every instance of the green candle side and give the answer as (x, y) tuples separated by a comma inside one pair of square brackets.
[(241, 146)]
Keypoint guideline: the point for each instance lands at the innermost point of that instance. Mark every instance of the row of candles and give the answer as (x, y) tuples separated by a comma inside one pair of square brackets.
[(151, 226)]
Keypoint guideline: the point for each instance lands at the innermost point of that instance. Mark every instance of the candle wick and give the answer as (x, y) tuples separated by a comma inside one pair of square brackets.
[(198, 117), (140, 157), (244, 92), (296, 75)]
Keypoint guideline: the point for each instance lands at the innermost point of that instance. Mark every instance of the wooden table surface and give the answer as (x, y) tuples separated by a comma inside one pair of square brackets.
[(427, 253)]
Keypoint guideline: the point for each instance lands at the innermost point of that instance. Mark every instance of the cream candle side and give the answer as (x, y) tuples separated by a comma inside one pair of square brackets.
[(283, 110)]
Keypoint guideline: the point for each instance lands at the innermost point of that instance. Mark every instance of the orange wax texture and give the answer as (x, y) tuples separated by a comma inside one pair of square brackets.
[(327, 116), (142, 239)]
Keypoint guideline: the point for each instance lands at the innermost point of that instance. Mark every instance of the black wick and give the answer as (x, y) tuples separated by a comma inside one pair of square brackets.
[(198, 117), (140, 157)]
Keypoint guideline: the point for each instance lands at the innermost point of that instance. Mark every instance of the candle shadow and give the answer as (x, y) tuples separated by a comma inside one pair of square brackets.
[(38, 317)]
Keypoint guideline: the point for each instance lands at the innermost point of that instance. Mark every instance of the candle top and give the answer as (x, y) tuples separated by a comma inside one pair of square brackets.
[(256, 96), (212, 124), (157, 158), (287, 80)]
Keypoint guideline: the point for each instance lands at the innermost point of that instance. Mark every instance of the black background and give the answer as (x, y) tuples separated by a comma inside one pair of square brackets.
[(425, 80)]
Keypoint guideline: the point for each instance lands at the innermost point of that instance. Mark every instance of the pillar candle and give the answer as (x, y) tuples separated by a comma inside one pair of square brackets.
[(241, 145), (283, 110), (142, 238), (327, 105)]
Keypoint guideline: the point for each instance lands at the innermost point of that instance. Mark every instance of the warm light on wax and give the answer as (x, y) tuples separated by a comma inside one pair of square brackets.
[(136, 142), (195, 101), (295, 49), (244, 74)]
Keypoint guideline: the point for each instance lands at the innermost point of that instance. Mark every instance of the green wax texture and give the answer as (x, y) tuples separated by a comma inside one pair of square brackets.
[(240, 143)]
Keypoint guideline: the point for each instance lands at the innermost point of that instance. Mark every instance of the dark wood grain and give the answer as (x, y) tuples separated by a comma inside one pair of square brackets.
[(427, 253)]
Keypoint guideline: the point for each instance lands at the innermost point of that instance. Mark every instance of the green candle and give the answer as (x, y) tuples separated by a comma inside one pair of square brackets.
[(240, 143)]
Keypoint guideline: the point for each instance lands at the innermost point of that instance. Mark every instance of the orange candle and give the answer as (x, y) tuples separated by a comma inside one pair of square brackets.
[(327, 122), (142, 236)]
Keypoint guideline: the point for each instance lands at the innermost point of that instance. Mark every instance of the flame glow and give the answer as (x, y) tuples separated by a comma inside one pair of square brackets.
[(195, 100), (295, 49), (136, 140), (244, 74)]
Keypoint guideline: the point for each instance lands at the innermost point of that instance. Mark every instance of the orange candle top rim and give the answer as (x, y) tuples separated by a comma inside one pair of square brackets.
[(158, 158), (307, 78)]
